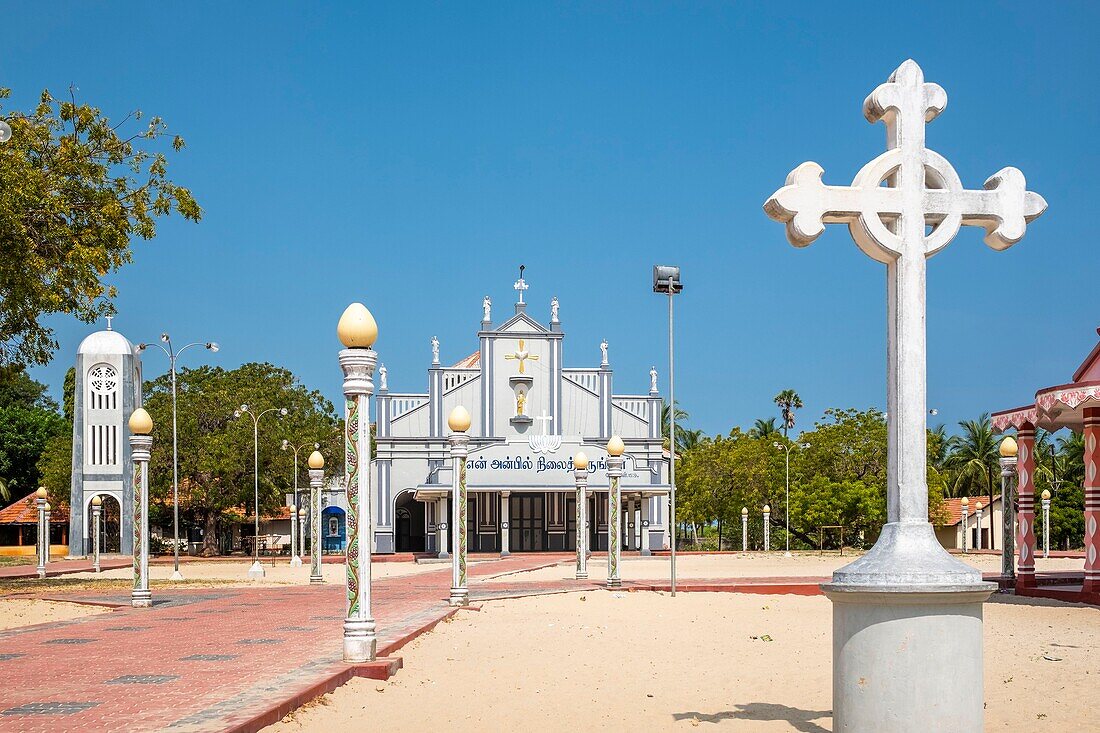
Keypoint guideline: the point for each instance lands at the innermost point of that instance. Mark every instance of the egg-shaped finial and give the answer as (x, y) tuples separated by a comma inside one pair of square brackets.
[(357, 328), (767, 508), (140, 422), (1008, 447), (744, 511), (293, 509), (965, 501), (48, 507), (615, 446), (1046, 494), (301, 511), (41, 493), (978, 506), (316, 460), (96, 501), (580, 461), (459, 419)]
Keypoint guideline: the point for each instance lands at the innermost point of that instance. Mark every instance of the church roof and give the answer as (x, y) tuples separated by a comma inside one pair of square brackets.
[(105, 342), (1090, 367), (470, 362)]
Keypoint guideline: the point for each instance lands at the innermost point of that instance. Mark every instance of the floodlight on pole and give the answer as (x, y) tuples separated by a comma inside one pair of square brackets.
[(5, 132), (257, 570), (666, 280), (172, 355)]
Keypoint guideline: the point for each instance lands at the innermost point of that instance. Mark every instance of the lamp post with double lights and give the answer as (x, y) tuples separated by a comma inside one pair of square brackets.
[(97, 514), (257, 570), (666, 280), (787, 511), (966, 523), (172, 355), (295, 559)]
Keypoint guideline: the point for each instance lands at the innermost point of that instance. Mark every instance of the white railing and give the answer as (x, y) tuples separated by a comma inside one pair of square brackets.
[(403, 404), (456, 377), (587, 378), (634, 405)]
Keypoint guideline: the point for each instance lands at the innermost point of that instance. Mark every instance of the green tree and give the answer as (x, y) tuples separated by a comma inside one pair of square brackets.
[(788, 401), (28, 421), (666, 425), (75, 189), (216, 449), (764, 428)]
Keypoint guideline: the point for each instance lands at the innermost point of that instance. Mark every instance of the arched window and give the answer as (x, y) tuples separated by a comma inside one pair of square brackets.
[(103, 387)]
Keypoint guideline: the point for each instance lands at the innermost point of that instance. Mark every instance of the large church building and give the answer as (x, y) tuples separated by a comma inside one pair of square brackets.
[(531, 415)]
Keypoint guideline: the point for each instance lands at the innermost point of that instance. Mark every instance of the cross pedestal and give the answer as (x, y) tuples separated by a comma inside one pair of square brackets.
[(906, 611)]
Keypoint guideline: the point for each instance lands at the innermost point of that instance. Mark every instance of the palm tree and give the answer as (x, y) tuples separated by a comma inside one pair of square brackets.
[(691, 438), (974, 455), (681, 431), (764, 428), (788, 401)]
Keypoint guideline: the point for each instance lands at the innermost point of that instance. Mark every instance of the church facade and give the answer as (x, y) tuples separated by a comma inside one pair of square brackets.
[(531, 415)]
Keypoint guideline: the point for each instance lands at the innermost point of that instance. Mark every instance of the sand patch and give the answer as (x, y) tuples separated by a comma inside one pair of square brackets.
[(17, 612)]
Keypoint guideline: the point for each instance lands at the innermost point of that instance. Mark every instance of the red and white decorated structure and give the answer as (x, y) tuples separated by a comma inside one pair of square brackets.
[(1075, 406)]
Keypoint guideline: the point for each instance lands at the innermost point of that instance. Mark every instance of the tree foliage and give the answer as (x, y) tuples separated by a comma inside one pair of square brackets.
[(75, 189), (28, 421)]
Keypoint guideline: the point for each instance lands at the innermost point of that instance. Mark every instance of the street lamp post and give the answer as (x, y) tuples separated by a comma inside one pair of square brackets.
[(172, 356), (141, 446), (978, 515), (97, 509), (301, 531), (666, 279), (257, 570), (615, 449), (459, 422), (580, 476), (43, 532), (1046, 522), (787, 511), (316, 482), (744, 529), (295, 559), (767, 527)]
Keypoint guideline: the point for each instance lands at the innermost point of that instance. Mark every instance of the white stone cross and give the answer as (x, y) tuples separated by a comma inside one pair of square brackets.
[(917, 213), (109, 319), (545, 420)]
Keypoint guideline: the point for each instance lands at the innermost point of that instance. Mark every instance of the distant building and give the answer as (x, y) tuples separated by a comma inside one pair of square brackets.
[(108, 389), (950, 534), (19, 528)]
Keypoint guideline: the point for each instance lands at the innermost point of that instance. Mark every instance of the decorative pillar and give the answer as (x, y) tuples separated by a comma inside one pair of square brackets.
[(615, 448), (966, 523), (744, 529), (505, 522), (767, 527), (1008, 451), (43, 534), (907, 594), (141, 446), (580, 477), (97, 511), (301, 519), (1046, 523), (442, 527), (459, 422), (1092, 500), (316, 483), (358, 331), (1025, 490), (295, 561), (646, 552), (978, 522)]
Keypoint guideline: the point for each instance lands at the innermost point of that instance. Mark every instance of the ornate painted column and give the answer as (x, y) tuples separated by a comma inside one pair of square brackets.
[(744, 529), (443, 527), (141, 446), (43, 535), (459, 422), (358, 332), (1008, 450), (1025, 520), (580, 477), (966, 524), (767, 527), (316, 483), (505, 523), (906, 594), (97, 512), (615, 448), (1092, 500)]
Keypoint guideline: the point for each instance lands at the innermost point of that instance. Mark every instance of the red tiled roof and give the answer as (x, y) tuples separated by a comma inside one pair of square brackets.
[(955, 511), (282, 512), (24, 511), (469, 362)]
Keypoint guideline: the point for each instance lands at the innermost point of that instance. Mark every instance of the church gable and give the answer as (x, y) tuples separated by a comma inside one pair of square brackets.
[(1089, 371), (522, 323)]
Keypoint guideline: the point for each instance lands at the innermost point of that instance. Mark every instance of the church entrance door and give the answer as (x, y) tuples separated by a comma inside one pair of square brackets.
[(526, 522)]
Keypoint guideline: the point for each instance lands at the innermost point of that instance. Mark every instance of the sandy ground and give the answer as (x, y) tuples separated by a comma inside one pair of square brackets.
[(645, 661), (749, 565), (16, 612), (280, 574)]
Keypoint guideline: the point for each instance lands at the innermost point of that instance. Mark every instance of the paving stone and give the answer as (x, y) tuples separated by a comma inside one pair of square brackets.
[(209, 657), (49, 708), (69, 641), (6, 656), (142, 679)]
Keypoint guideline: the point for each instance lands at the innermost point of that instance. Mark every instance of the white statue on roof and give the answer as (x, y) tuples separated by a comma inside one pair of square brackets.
[(435, 350), (486, 306), (554, 309)]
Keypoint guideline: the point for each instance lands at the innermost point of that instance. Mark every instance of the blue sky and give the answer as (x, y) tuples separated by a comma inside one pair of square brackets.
[(411, 156)]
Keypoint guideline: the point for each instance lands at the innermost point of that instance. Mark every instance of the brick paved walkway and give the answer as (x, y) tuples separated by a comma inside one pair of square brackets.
[(62, 567), (211, 659)]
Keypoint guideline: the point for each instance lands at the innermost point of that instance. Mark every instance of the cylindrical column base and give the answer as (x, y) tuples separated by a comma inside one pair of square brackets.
[(141, 599), (316, 580), (459, 597), (360, 643), (908, 659)]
